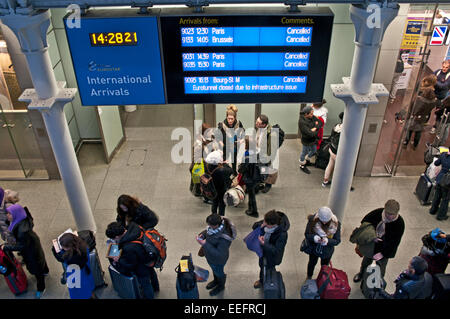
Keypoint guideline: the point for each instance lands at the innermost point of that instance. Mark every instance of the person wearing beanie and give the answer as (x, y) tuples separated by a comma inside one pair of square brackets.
[(221, 174), (309, 126), (389, 227), (322, 234), (413, 283), (436, 251)]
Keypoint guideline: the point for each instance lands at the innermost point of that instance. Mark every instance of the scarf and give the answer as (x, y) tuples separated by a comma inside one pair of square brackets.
[(331, 230), (381, 227), (268, 232), (210, 231), (18, 214)]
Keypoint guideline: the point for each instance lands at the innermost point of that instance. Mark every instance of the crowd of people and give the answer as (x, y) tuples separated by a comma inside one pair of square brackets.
[(253, 170)]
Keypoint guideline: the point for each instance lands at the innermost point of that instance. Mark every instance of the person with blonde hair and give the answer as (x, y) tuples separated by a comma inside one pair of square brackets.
[(233, 134)]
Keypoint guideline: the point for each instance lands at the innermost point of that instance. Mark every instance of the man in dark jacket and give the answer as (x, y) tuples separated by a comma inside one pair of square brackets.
[(441, 89), (216, 245), (440, 200), (273, 240), (221, 174), (309, 127), (415, 282), (133, 259), (251, 177), (389, 227)]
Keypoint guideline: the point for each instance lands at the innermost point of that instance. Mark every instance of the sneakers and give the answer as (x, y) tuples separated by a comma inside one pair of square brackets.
[(257, 284), (305, 169), (251, 213), (326, 184), (39, 294)]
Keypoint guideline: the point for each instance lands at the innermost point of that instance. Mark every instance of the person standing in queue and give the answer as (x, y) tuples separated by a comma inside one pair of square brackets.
[(440, 200)]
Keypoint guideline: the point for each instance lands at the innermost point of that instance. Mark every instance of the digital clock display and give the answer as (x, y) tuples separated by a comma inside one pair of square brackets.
[(113, 38)]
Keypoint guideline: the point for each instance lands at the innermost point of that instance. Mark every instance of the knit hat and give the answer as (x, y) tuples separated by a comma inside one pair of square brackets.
[(214, 158), (419, 264), (325, 214), (307, 109)]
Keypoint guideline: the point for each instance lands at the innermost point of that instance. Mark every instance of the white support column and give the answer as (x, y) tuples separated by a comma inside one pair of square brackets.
[(358, 92), (49, 97)]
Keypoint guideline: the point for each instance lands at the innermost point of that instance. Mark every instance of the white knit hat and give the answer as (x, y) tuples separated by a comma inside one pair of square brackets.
[(214, 158), (325, 214)]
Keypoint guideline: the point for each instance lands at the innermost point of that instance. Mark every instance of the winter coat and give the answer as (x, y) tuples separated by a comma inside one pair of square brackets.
[(134, 258), (364, 237), (422, 111), (144, 217), (87, 284), (221, 178), (324, 252), (29, 245), (442, 84), (443, 160), (413, 287), (306, 124), (335, 137), (273, 250), (393, 234), (228, 137), (217, 246), (249, 171)]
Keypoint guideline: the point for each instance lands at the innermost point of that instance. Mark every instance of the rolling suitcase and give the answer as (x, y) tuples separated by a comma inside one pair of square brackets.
[(186, 284), (425, 190), (441, 287), (15, 277), (126, 287), (97, 271), (273, 284), (335, 281)]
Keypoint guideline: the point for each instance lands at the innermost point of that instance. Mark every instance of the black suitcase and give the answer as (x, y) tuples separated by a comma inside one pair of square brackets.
[(273, 284), (97, 271), (441, 287), (323, 155), (186, 283), (126, 287), (425, 190)]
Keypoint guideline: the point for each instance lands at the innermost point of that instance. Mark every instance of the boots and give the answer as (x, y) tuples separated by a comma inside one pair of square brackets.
[(212, 284), (220, 286)]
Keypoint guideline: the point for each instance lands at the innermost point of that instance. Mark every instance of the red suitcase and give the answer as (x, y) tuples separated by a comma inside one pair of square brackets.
[(332, 283), (15, 277)]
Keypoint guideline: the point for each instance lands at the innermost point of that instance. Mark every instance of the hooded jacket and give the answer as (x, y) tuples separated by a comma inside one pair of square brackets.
[(29, 245), (273, 250), (217, 246), (306, 124), (134, 258), (413, 287)]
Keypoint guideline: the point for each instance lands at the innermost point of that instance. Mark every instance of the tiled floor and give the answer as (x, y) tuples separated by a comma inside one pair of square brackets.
[(163, 186)]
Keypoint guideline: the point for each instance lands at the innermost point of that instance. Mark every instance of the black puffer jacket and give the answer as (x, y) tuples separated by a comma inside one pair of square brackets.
[(144, 217), (134, 258), (250, 172), (306, 124), (29, 245), (413, 287), (221, 178), (273, 251)]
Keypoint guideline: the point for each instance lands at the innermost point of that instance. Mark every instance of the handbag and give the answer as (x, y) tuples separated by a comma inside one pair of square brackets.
[(252, 242), (201, 252)]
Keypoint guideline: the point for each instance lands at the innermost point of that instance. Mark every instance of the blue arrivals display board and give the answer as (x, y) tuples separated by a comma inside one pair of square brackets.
[(117, 60), (246, 56)]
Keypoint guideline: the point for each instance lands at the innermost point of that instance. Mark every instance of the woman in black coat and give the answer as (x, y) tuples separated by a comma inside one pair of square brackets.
[(28, 244), (322, 234), (273, 240), (130, 209)]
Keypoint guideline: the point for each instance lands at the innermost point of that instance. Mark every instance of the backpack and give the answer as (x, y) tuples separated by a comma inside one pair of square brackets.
[(155, 245), (186, 275), (207, 185), (280, 134)]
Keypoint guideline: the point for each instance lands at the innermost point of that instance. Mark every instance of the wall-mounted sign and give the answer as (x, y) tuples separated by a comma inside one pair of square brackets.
[(117, 60), (246, 57)]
